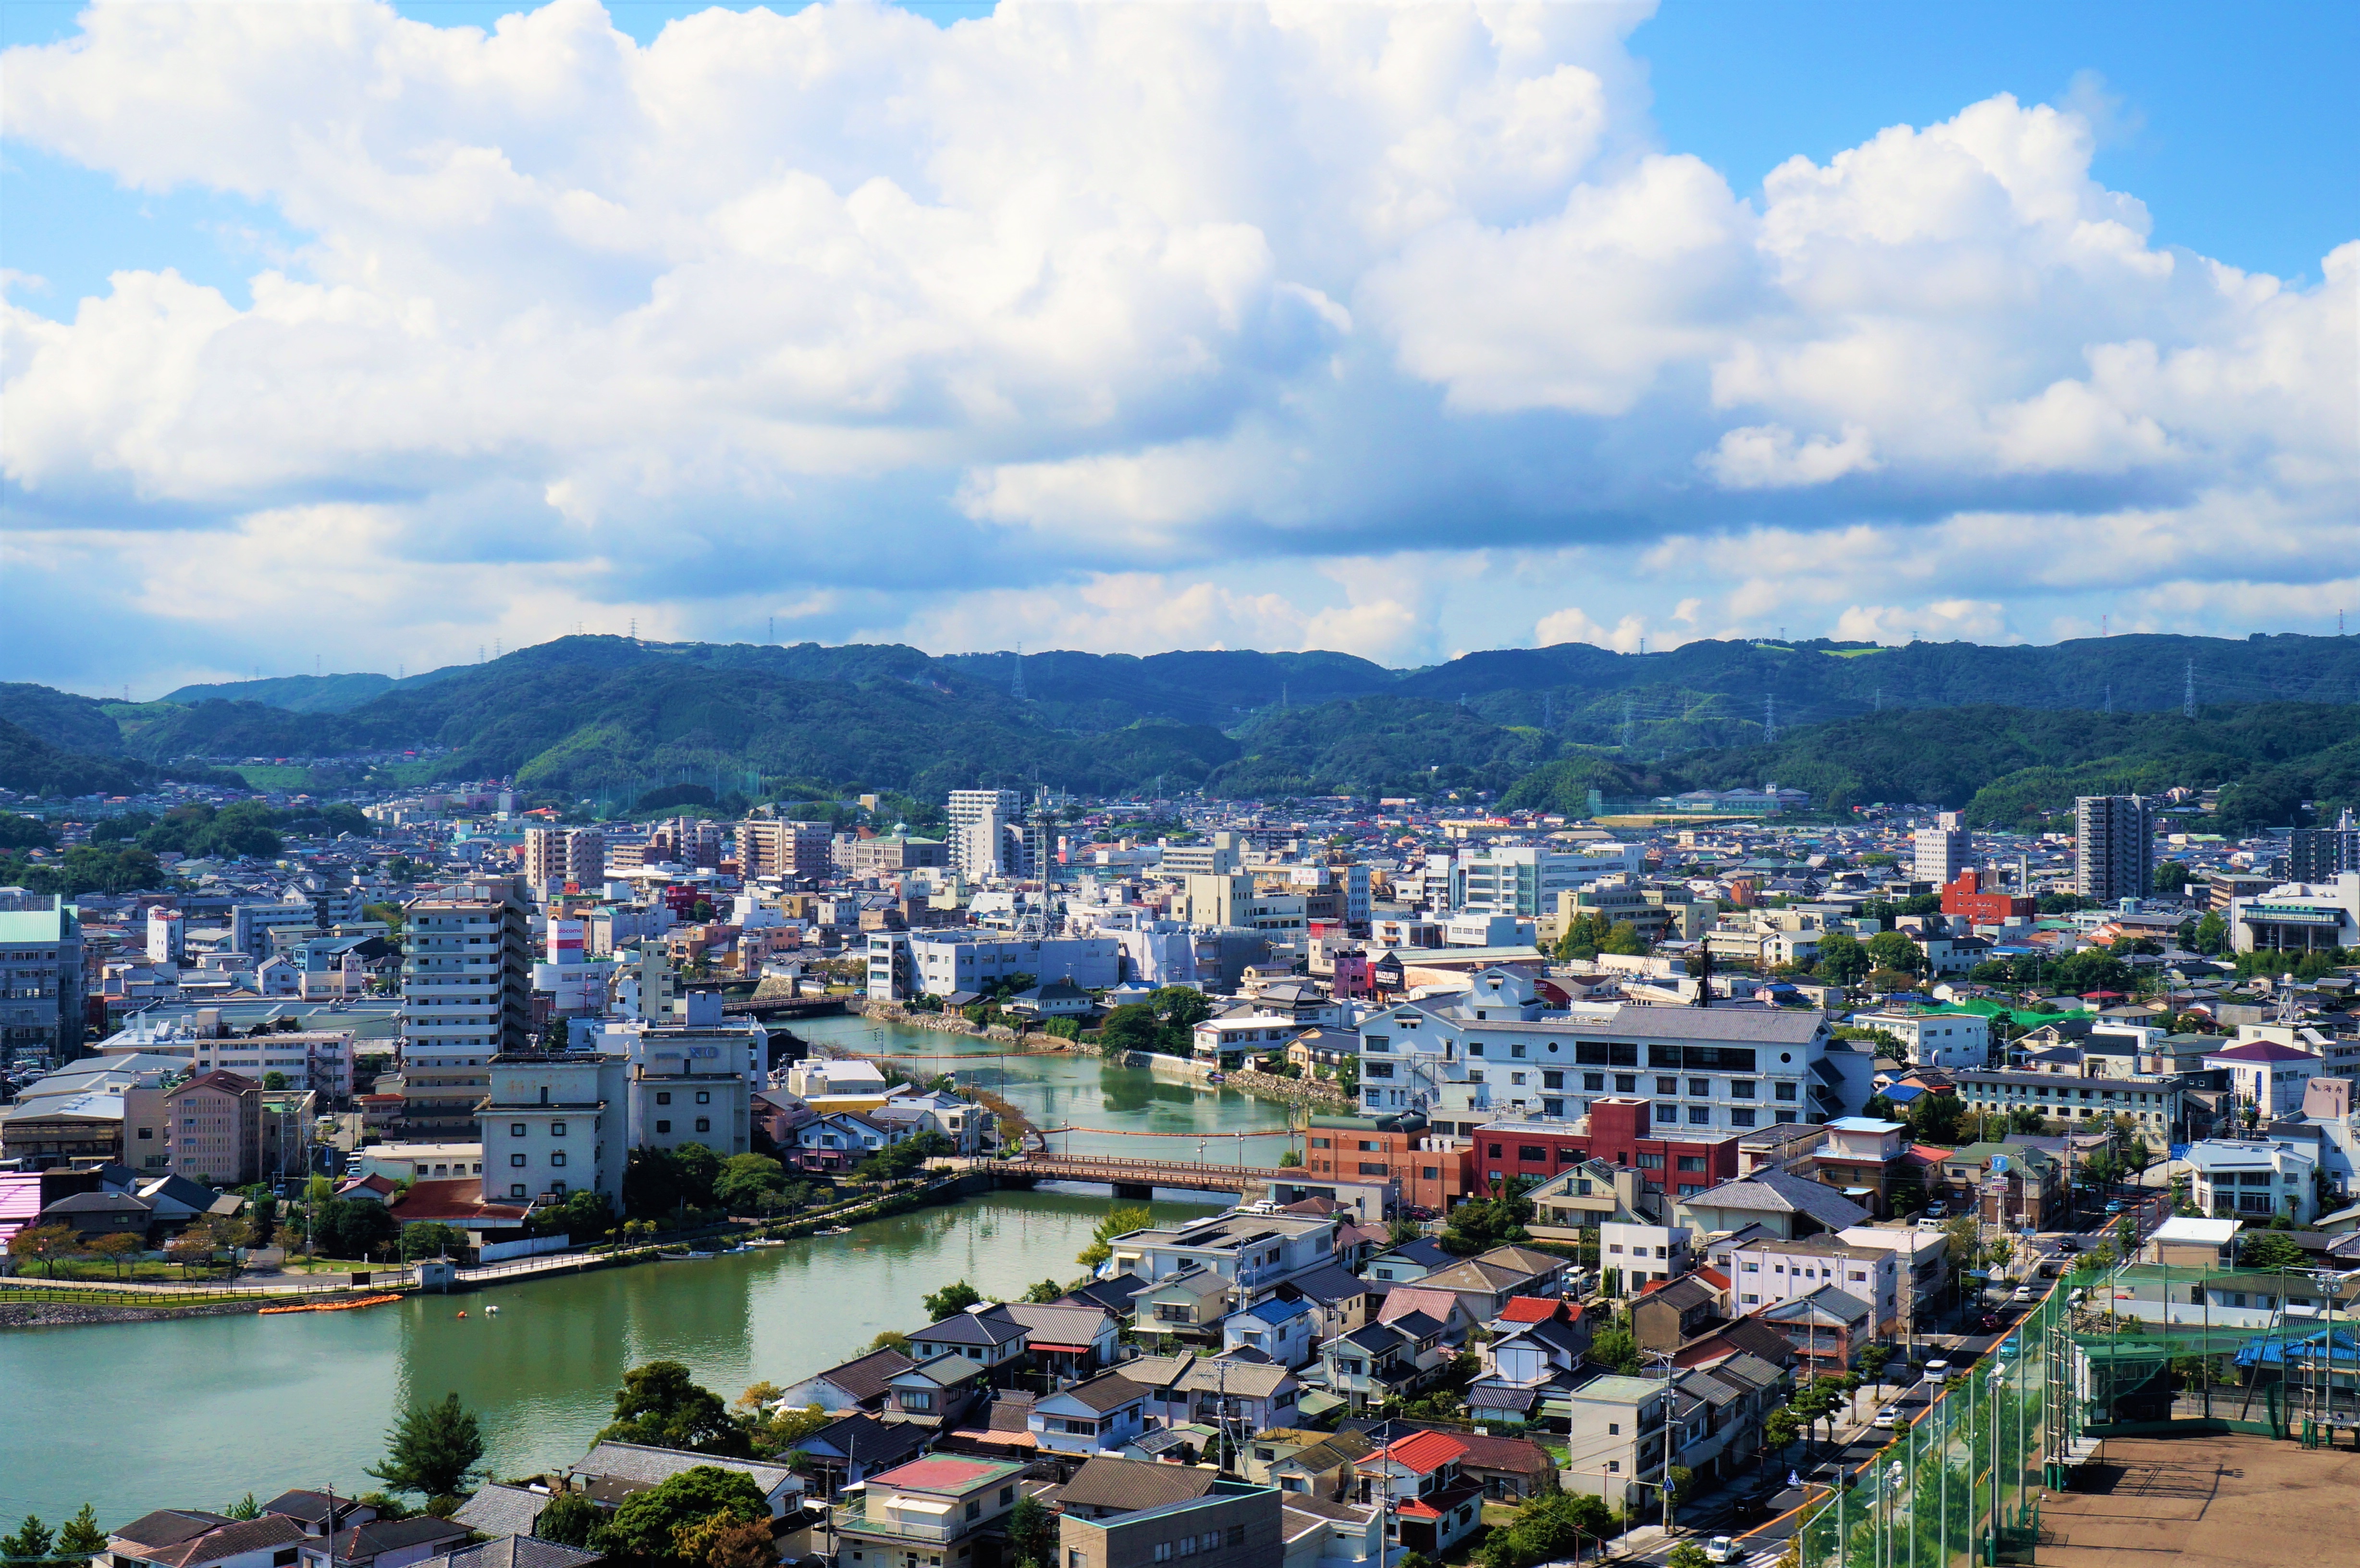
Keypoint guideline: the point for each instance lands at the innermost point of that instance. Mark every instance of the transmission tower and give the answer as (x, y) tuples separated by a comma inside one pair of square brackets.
[(2187, 693), (1548, 712), (1016, 686), (2110, 696), (1630, 732), (1769, 717)]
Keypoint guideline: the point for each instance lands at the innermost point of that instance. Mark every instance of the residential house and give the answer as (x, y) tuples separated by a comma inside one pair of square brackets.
[(1376, 1362), (1253, 1253), (1431, 1504), (1232, 1524), (1771, 1270), (1668, 1316), (638, 1466), (2010, 1184), (319, 1513), (1306, 1463), (1108, 1487), (1570, 1206), (1067, 1339), (1323, 1534), (936, 1512), (1277, 1328), (1829, 1328), (1644, 1255), (1188, 1307), (1616, 1438), (102, 1213), (849, 1449), (385, 1543), (1411, 1261), (1507, 1469), (1861, 1158), (1748, 1337), (1340, 1300), (1785, 1206), (940, 1393), (859, 1383), (513, 1550), (985, 1335), (839, 1140), (2252, 1179), (1522, 1364), (194, 1537), (1488, 1281), (1257, 1395), (1715, 1428), (1092, 1417)]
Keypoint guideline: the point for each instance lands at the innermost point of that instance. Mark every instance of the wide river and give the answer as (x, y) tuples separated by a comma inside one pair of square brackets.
[(132, 1417)]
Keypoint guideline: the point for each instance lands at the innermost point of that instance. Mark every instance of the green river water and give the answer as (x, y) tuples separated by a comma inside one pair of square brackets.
[(131, 1417)]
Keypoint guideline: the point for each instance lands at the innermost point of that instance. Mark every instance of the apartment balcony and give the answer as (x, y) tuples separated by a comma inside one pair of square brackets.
[(903, 1520)]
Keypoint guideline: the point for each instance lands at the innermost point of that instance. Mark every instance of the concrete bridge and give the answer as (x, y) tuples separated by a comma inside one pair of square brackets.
[(783, 1007), (1130, 1177)]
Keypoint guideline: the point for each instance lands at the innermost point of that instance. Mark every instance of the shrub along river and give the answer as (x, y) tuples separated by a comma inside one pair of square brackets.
[(195, 1413)]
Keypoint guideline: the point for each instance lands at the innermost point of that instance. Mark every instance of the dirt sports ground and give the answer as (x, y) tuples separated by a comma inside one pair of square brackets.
[(2207, 1502)]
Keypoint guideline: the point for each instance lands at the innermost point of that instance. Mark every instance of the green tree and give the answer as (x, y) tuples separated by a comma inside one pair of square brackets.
[(1044, 1292), (570, 1520), (1781, 1427), (1032, 1534), (2212, 933), (1130, 1027), (1687, 1554), (1624, 940), (651, 1525), (1617, 1348), (80, 1537), (246, 1507), (1120, 1220), (1842, 960), (1895, 951), (32, 1539), (274, 1083), (783, 1430), (432, 1449), (751, 1184), (48, 1242), (951, 1300), (660, 1405), (433, 1239), (1290, 1158), (2272, 1250), (1481, 1224)]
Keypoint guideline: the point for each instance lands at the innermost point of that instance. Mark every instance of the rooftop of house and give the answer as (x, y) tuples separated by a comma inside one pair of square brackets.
[(1419, 1454), (865, 1377), (945, 1475), (1127, 1485)]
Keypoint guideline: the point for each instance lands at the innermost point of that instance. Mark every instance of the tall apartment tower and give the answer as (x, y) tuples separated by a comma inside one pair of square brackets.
[(554, 856), (1940, 852), (2113, 847), (770, 846), (968, 808), (467, 995), (2321, 854)]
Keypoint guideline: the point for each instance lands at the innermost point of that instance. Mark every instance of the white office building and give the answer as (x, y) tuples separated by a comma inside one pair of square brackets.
[(1522, 879), (1940, 853), (969, 808)]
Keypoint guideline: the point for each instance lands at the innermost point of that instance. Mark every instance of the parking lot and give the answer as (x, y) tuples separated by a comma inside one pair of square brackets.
[(2206, 1502)]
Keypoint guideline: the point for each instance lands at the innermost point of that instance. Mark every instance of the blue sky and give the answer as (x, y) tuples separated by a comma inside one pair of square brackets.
[(1402, 337)]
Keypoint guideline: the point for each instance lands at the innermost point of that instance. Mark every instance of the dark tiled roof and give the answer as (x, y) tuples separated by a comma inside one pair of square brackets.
[(502, 1510), (865, 1378), (233, 1540), (515, 1551), (379, 1536), (1104, 1392), (167, 1527), (1126, 1485)]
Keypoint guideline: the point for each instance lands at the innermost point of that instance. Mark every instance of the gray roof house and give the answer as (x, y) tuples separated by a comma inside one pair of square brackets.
[(1791, 1207), (643, 1465)]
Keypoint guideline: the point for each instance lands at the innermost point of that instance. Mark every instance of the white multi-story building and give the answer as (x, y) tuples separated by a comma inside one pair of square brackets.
[(1765, 1272), (1252, 1253), (902, 965), (2253, 1180), (41, 981), (250, 925), (556, 857), (1645, 1254), (1937, 1039), (1940, 853), (466, 997), (1496, 1050), (1522, 879), (967, 808), (2299, 916), (553, 1124)]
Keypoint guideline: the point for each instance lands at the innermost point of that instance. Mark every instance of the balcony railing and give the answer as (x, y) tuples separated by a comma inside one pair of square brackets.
[(867, 1516)]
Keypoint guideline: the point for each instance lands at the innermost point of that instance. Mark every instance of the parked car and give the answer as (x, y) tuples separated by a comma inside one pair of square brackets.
[(1721, 1549)]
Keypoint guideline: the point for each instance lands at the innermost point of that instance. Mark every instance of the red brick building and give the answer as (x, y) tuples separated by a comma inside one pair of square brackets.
[(1966, 898), (1617, 1130)]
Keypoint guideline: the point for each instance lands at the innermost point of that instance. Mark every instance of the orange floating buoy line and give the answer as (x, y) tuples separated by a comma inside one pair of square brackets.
[(332, 1306)]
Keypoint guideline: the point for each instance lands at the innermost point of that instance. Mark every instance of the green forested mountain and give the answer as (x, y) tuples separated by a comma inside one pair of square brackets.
[(2006, 733)]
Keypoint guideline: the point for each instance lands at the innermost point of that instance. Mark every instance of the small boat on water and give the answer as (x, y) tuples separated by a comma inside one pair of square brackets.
[(833, 1230), (1217, 1077), (331, 1306)]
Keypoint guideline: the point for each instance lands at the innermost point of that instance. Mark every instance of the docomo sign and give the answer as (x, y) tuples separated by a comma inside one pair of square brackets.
[(568, 941)]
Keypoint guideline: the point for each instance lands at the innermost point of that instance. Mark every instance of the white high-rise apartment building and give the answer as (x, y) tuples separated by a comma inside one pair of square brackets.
[(968, 809), (2113, 847), (1940, 852), (467, 995), (554, 856)]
